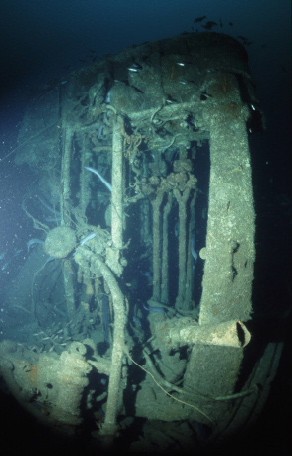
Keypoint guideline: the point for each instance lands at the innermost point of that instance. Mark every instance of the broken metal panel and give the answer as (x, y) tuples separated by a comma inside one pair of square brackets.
[(229, 254), (182, 331), (47, 386)]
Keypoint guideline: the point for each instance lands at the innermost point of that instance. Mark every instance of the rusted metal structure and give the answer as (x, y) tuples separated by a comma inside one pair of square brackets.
[(144, 161)]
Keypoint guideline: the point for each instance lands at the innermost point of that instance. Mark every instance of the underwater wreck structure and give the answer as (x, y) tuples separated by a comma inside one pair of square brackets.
[(139, 293)]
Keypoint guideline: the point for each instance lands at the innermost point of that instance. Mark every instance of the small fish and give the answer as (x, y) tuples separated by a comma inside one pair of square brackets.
[(88, 238), (204, 96), (154, 309), (135, 67), (199, 19), (94, 171), (184, 63), (170, 99), (209, 25)]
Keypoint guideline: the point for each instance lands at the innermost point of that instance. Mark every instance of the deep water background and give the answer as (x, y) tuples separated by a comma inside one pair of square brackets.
[(42, 41)]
